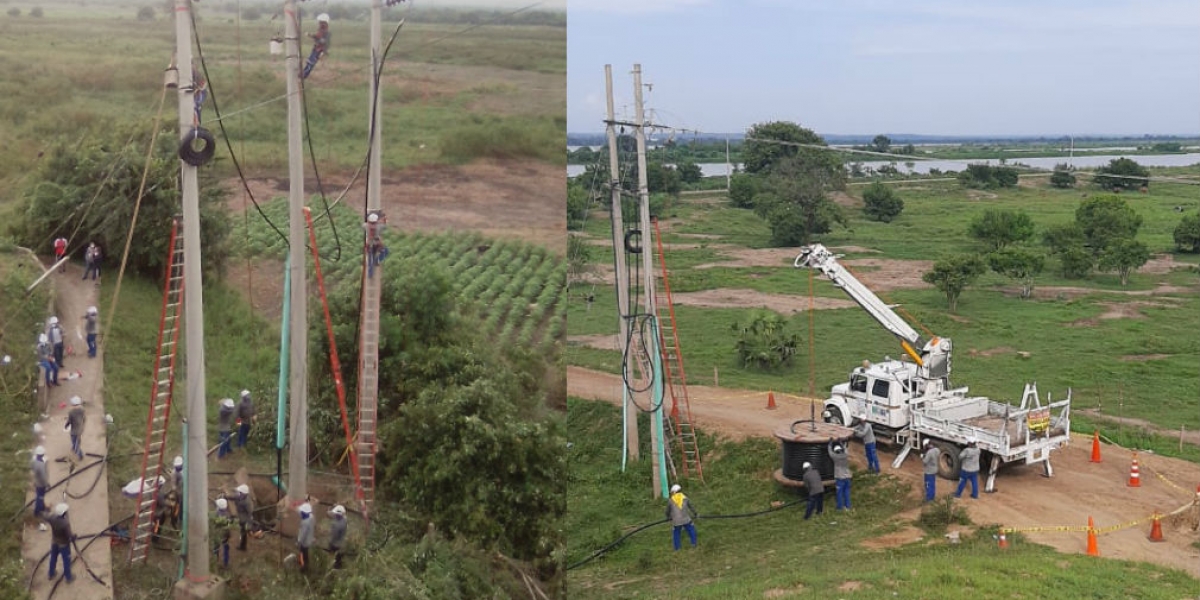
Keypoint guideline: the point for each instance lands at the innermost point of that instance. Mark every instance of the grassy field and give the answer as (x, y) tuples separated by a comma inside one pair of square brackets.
[(1142, 367), (450, 94), (779, 555)]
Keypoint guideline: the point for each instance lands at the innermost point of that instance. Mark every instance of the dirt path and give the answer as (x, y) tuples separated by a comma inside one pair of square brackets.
[(79, 376), (1079, 488)]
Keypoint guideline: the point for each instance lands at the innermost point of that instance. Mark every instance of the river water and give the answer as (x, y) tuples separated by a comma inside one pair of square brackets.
[(923, 166)]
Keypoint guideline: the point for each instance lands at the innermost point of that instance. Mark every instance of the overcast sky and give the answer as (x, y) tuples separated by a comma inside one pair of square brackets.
[(949, 67)]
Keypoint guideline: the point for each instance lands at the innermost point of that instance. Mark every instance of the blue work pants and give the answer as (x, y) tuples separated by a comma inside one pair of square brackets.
[(691, 529), (842, 493)]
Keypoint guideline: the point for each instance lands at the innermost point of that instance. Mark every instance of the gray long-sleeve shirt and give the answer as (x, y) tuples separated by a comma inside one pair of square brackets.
[(45, 352), (224, 418), (865, 432), (337, 533), (76, 419), (680, 515), (304, 539), (40, 477), (813, 483), (929, 462), (970, 459), (841, 463), (245, 508), (60, 530), (91, 326), (55, 333), (245, 409)]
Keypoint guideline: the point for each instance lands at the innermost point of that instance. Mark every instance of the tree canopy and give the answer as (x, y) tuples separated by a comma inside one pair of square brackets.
[(953, 275), (802, 210), (998, 228), (761, 150), (1106, 218), (1122, 173), (881, 203), (1187, 233)]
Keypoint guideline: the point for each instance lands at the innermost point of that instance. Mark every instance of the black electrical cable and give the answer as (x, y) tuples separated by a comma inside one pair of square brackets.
[(639, 322), (312, 154), (605, 549), (68, 477), (225, 134)]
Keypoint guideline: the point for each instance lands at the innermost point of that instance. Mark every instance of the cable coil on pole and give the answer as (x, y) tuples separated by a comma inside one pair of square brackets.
[(197, 157)]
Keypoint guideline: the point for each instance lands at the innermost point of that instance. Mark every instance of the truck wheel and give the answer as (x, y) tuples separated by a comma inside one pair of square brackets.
[(949, 463), (835, 416)]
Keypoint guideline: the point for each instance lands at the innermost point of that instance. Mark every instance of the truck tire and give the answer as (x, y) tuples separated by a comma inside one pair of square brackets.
[(949, 464), (835, 416)]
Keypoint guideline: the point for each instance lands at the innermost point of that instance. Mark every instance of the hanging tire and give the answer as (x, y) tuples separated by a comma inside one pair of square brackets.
[(949, 465), (629, 245), (193, 156)]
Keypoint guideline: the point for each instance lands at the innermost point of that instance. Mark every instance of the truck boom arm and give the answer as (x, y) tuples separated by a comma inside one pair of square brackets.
[(931, 355)]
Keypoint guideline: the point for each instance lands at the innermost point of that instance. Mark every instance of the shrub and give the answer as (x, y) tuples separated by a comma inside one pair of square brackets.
[(881, 203), (941, 513)]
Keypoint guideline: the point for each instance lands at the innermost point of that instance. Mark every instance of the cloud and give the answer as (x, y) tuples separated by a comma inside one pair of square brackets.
[(627, 7)]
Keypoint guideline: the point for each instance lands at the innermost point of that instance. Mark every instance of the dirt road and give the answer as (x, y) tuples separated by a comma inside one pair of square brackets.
[(88, 513), (1024, 498)]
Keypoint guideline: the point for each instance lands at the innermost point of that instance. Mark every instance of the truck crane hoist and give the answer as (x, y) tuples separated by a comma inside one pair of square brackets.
[(913, 400)]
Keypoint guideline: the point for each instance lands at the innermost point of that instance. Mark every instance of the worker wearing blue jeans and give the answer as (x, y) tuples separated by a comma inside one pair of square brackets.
[(969, 459), (929, 466), (864, 432), (680, 513)]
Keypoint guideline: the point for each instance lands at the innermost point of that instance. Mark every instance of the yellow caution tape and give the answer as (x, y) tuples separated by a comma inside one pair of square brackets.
[(1096, 530), (1168, 481)]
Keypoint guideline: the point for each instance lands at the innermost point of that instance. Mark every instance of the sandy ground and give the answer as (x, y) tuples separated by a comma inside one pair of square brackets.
[(1024, 497), (80, 376)]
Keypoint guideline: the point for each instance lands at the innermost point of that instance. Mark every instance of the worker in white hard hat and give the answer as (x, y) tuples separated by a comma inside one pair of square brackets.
[(337, 533), (91, 328), (968, 469), (41, 480), (866, 433), (681, 514), (306, 535), (60, 541), (177, 475), (245, 512), (55, 332), (222, 528), (76, 419), (816, 490), (930, 457), (45, 352), (841, 473), (375, 249), (320, 44), (91, 261), (224, 424), (246, 416)]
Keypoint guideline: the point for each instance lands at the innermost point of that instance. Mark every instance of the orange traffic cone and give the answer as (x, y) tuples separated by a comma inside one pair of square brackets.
[(1135, 477), (771, 401), (1003, 541), (1093, 548), (1156, 529), (1096, 446)]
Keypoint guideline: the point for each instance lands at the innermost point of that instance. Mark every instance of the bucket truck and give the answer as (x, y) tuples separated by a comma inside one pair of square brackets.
[(911, 400)]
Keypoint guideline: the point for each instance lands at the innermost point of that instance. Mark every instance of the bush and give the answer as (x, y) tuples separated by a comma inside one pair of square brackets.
[(36, 12), (1062, 177), (1187, 233), (1122, 173), (145, 13), (743, 187), (940, 514), (764, 342), (881, 203), (14, 12)]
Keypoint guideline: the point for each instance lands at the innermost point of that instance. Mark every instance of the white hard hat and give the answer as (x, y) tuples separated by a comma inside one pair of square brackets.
[(925, 442), (245, 393), (373, 218), (60, 509), (179, 461), (76, 400), (227, 402), (42, 339), (306, 509), (323, 18), (243, 489), (838, 448), (108, 418), (972, 441), (807, 465), (39, 451), (675, 489), (222, 503), (338, 510), (92, 310), (54, 320), (37, 428)]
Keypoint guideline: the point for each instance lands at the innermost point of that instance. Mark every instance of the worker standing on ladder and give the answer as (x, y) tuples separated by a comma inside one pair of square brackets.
[(76, 419), (376, 250), (91, 328), (224, 422), (320, 44), (245, 415)]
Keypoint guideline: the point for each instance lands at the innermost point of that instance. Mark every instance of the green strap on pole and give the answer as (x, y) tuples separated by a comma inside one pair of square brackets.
[(656, 418), (182, 530)]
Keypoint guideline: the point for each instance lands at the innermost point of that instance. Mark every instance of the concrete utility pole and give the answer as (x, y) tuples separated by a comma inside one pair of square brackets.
[(198, 583), (629, 408), (373, 167), (298, 319), (656, 433)]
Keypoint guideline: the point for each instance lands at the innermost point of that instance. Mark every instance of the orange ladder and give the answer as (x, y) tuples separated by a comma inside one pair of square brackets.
[(680, 416), (161, 391)]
